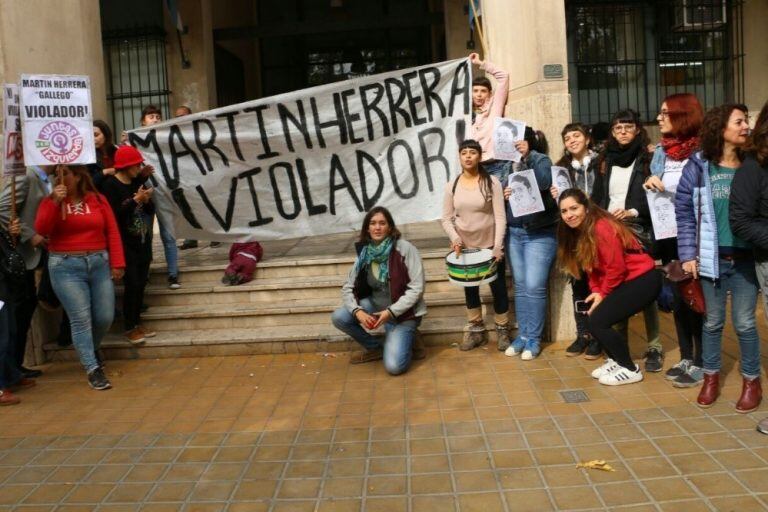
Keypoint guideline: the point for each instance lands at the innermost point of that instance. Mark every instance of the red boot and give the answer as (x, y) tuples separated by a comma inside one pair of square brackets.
[(8, 398), (710, 390), (751, 394)]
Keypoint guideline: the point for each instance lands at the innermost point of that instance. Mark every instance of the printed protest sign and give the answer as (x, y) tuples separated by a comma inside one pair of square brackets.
[(505, 133), (662, 206), (561, 179), (57, 119), (13, 152), (526, 196), (312, 162)]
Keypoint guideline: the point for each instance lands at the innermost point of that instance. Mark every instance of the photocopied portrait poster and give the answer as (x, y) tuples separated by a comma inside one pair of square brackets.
[(525, 197), (662, 206), (505, 133), (561, 179)]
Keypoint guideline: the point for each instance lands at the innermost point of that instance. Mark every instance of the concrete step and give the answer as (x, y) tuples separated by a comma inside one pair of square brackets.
[(282, 267), (267, 290), (262, 340), (299, 314)]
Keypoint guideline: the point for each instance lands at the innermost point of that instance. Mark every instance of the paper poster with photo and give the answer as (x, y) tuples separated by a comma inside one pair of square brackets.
[(505, 133), (57, 119), (561, 179), (525, 197), (13, 152), (662, 206)]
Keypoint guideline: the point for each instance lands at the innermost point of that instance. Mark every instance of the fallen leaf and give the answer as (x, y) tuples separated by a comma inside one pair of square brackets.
[(595, 464)]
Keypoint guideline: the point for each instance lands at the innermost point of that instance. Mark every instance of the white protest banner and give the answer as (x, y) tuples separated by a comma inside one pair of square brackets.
[(57, 119), (13, 152), (561, 179), (505, 133), (312, 162), (662, 206), (526, 196)]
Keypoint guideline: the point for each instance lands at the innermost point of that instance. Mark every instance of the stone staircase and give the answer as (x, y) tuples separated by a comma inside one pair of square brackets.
[(286, 308)]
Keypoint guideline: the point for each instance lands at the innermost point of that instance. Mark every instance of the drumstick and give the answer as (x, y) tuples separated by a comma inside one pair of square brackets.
[(59, 181)]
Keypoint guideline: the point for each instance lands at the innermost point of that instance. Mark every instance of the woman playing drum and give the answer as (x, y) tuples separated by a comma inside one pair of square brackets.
[(385, 288), (473, 218)]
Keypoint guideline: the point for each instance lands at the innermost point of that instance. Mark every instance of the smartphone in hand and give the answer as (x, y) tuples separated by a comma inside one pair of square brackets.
[(581, 306)]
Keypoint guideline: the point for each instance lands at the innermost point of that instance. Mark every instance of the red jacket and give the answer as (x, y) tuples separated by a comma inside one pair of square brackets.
[(89, 226), (615, 264)]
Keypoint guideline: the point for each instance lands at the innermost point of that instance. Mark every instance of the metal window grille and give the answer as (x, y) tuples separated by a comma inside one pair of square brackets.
[(632, 54), (136, 74)]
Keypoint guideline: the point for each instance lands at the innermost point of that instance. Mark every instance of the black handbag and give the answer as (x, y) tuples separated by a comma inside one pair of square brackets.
[(12, 263)]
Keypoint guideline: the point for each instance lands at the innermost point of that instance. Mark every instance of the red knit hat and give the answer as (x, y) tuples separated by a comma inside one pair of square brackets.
[(126, 156)]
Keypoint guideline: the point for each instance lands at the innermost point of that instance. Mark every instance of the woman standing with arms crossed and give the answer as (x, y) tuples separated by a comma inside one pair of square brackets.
[(711, 250), (622, 278), (85, 256), (679, 123), (473, 218)]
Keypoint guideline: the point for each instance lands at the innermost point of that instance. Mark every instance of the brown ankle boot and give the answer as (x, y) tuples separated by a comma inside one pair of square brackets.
[(710, 390), (751, 394)]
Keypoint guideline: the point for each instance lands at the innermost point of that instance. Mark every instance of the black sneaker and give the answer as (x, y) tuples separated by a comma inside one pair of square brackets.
[(577, 347), (594, 350), (679, 369), (654, 360), (98, 380), (173, 282), (188, 244)]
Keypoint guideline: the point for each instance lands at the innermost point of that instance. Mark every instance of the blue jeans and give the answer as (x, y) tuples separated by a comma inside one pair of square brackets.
[(500, 169), (84, 286), (531, 255), (397, 343), (170, 249), (740, 279)]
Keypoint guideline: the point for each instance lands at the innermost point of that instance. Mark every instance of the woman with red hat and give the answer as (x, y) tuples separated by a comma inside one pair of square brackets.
[(130, 198), (85, 256)]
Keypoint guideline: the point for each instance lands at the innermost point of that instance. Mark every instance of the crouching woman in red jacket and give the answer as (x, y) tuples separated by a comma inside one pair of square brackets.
[(621, 274)]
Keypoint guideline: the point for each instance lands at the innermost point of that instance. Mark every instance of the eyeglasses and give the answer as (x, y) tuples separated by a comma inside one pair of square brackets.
[(664, 114), (626, 128)]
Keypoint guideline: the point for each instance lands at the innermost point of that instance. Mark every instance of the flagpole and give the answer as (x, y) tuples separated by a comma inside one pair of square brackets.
[(479, 28)]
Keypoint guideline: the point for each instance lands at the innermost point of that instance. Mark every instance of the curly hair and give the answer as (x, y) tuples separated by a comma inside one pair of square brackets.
[(757, 144), (711, 135)]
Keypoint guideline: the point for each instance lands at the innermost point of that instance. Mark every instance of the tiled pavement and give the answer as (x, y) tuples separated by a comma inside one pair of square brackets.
[(461, 431)]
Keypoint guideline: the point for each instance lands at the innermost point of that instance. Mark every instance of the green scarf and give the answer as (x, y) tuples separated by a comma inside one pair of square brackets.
[(376, 253)]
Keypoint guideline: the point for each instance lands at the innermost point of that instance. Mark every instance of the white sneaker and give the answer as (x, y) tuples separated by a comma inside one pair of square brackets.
[(620, 376), (604, 368)]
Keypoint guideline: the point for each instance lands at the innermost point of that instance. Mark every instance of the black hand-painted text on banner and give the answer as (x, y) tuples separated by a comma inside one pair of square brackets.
[(313, 161)]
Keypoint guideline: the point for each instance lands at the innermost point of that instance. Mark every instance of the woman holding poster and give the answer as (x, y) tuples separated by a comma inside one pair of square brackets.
[(623, 166), (679, 121), (581, 162), (85, 255), (531, 246), (473, 218)]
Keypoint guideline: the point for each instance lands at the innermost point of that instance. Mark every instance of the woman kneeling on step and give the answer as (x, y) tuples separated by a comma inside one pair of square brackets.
[(474, 218), (621, 276), (385, 288)]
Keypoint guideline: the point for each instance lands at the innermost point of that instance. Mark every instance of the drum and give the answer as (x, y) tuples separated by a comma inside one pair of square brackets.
[(472, 267)]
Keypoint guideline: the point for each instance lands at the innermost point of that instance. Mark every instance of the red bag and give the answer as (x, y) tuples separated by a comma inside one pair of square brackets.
[(692, 294)]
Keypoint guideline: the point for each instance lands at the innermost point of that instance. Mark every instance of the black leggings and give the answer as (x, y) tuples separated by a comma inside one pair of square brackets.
[(627, 299), (134, 282), (498, 290), (688, 323), (580, 291)]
